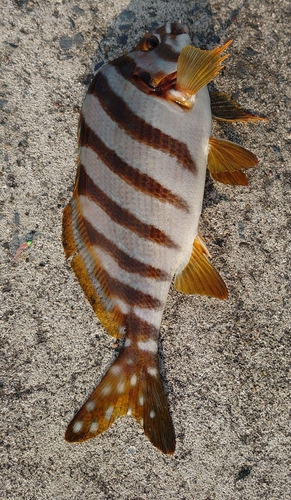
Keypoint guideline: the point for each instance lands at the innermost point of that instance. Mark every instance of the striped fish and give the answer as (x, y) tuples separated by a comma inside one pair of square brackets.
[(132, 223)]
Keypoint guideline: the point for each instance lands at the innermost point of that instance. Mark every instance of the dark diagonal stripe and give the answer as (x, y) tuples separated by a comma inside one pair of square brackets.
[(125, 261), (137, 326), (132, 296), (135, 126), (132, 176), (118, 214)]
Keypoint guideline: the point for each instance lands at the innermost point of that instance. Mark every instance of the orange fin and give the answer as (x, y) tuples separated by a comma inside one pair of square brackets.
[(195, 69), (199, 276), (127, 389), (110, 317), (236, 178), (225, 159), (68, 238), (226, 109)]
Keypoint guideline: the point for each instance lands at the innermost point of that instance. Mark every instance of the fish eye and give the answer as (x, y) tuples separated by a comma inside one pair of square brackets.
[(152, 42)]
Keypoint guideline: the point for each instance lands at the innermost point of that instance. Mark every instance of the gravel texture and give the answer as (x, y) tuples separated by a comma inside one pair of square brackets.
[(225, 364)]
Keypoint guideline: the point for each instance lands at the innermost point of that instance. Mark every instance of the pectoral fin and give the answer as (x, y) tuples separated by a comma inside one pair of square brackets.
[(225, 109), (199, 277), (226, 159), (195, 69)]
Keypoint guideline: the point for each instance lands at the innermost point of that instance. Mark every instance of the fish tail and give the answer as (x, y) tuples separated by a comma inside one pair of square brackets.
[(130, 387)]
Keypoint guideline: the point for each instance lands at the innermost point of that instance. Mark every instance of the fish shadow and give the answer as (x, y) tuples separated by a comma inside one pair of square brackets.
[(132, 23)]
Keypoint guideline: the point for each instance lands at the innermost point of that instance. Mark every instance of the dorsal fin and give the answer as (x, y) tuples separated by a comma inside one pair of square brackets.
[(199, 277), (226, 159), (225, 109), (111, 318)]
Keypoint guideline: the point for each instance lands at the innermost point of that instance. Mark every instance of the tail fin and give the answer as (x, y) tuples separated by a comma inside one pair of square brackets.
[(127, 388)]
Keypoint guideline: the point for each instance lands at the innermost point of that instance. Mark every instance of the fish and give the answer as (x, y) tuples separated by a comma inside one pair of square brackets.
[(131, 226)]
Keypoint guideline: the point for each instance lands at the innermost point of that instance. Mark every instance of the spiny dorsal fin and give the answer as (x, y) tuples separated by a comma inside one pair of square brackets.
[(111, 319), (225, 109), (199, 276), (196, 67), (225, 159), (127, 388)]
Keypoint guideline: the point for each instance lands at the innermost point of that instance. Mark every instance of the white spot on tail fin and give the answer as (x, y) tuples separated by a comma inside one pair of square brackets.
[(106, 390), (129, 412), (90, 405), (152, 371), (149, 345), (120, 387), (141, 422), (127, 343), (133, 380), (115, 369), (152, 414), (141, 400), (109, 412), (121, 330), (94, 426), (77, 426)]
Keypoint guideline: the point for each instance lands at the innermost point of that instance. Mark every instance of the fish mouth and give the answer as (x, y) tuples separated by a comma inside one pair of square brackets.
[(158, 84)]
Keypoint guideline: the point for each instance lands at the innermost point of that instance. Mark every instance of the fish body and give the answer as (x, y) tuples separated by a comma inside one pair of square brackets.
[(132, 223)]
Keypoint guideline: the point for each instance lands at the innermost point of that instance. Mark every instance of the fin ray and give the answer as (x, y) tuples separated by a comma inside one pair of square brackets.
[(236, 178), (127, 389), (199, 277), (196, 67), (225, 109), (108, 314), (225, 159)]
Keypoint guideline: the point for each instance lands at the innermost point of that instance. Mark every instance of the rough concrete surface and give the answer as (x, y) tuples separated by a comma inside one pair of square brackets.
[(225, 364)]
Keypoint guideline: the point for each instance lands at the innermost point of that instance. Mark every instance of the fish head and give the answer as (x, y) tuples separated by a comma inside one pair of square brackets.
[(156, 55)]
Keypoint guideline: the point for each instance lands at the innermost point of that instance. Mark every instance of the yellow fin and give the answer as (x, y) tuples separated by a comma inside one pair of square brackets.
[(196, 67), (199, 276), (134, 389), (236, 178), (225, 158), (225, 109), (111, 319)]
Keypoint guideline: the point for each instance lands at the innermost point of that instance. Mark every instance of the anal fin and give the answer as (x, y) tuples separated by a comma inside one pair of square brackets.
[(199, 277), (226, 159), (225, 109)]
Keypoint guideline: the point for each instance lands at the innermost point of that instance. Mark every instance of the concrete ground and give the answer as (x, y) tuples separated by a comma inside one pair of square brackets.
[(225, 364)]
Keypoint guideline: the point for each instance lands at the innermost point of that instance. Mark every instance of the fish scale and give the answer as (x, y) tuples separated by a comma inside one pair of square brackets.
[(132, 223)]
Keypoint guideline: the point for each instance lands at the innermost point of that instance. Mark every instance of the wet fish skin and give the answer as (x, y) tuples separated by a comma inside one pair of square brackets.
[(132, 223)]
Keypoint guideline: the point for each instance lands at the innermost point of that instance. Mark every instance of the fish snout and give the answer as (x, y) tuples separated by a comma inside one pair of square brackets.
[(177, 28)]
